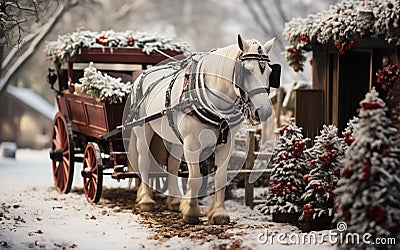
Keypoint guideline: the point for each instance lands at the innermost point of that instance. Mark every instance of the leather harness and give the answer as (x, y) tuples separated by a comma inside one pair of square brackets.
[(193, 100)]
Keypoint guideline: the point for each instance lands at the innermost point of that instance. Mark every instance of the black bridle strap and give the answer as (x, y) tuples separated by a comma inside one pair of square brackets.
[(258, 57), (257, 91)]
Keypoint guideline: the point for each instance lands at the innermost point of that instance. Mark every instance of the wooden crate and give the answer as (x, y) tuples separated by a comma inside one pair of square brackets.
[(90, 117)]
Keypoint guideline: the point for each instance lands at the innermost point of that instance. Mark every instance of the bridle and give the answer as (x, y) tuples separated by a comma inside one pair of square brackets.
[(274, 79)]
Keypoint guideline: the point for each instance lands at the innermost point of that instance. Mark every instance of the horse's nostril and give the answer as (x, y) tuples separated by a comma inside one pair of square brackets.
[(257, 114)]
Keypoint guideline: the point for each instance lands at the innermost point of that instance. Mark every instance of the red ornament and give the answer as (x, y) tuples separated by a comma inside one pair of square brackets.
[(370, 105), (346, 214), (313, 162), (305, 178), (326, 145), (346, 172), (336, 207), (336, 171)]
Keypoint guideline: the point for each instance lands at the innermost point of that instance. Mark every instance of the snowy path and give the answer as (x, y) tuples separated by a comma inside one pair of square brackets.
[(34, 215)]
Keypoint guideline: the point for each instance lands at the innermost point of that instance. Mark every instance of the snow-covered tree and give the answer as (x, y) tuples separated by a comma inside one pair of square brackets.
[(325, 165), (369, 190), (350, 131), (389, 80), (288, 167)]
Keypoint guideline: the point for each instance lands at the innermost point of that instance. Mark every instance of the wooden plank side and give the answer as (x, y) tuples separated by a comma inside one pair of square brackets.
[(120, 55)]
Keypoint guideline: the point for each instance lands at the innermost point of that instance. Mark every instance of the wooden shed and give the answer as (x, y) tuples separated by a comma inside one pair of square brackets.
[(25, 118), (345, 78), (349, 42)]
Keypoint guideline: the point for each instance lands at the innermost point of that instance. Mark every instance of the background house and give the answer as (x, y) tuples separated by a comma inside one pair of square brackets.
[(349, 42), (25, 118)]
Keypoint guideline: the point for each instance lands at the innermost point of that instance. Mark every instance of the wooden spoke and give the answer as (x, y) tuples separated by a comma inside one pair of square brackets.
[(92, 181), (63, 153)]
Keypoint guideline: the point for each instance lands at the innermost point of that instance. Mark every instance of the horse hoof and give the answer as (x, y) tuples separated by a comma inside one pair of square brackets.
[(220, 219), (193, 220), (173, 204), (174, 207), (146, 207)]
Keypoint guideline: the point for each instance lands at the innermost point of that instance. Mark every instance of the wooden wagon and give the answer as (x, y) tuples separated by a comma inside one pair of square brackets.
[(81, 128)]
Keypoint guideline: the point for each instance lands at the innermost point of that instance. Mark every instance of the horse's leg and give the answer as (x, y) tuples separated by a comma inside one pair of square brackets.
[(144, 135), (132, 161), (173, 199), (189, 204), (217, 213)]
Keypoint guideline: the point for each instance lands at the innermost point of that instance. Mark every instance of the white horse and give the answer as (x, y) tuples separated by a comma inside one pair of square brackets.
[(222, 77)]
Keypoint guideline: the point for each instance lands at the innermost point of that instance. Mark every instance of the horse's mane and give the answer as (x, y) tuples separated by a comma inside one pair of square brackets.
[(220, 63)]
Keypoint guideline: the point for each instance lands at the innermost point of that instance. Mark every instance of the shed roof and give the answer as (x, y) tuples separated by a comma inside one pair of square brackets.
[(33, 100), (345, 22)]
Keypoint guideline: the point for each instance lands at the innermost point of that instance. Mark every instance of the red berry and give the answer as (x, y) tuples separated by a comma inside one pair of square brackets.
[(326, 145), (313, 162), (305, 178)]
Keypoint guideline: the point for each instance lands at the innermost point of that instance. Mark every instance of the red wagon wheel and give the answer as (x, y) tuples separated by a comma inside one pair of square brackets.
[(62, 153), (92, 172)]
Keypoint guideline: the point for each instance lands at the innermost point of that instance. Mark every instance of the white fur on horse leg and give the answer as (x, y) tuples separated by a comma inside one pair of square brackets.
[(189, 205), (218, 214), (133, 159), (144, 135), (173, 199)]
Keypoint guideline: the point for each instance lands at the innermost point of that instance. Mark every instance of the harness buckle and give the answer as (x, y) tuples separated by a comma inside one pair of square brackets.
[(223, 132)]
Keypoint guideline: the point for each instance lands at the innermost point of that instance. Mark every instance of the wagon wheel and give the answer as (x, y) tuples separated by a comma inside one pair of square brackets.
[(62, 153), (92, 172)]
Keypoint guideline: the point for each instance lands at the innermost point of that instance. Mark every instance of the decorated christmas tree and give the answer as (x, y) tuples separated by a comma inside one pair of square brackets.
[(286, 182), (325, 165), (368, 194), (389, 80), (350, 131)]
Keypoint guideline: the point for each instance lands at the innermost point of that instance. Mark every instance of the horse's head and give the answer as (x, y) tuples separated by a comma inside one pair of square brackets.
[(255, 76)]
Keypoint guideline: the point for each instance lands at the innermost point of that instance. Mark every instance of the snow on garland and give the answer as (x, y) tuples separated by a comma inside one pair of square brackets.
[(102, 86), (342, 24), (66, 46)]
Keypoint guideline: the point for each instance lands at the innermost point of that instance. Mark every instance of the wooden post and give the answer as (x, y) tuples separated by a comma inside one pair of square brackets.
[(250, 156), (279, 97)]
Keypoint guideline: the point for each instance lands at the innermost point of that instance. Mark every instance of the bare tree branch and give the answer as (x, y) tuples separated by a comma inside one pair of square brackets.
[(282, 13), (39, 36)]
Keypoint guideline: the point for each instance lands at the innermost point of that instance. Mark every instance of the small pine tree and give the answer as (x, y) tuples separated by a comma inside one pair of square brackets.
[(369, 191), (350, 131), (325, 165), (288, 167)]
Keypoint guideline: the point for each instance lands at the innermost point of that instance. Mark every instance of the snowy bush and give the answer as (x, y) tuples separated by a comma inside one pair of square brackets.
[(103, 86)]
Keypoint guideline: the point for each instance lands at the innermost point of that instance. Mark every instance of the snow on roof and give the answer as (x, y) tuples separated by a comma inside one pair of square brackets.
[(342, 24), (345, 21), (33, 100)]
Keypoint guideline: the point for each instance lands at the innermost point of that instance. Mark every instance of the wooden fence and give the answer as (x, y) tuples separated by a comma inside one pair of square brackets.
[(249, 158)]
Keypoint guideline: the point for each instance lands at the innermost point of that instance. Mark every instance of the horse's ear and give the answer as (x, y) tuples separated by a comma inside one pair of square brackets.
[(268, 45), (243, 45)]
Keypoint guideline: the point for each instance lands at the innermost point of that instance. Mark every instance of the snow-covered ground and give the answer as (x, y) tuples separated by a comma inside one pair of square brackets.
[(34, 215)]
